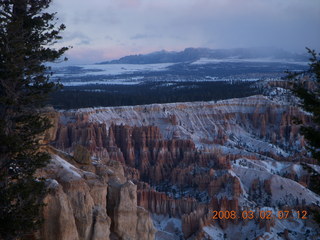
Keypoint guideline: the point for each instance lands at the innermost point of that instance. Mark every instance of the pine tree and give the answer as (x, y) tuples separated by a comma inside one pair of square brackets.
[(306, 86), (27, 36)]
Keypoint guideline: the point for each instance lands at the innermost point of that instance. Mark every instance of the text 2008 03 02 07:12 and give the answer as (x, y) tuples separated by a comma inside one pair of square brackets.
[(261, 214)]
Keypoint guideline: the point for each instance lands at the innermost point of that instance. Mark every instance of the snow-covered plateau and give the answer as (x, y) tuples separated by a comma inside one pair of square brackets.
[(203, 69)]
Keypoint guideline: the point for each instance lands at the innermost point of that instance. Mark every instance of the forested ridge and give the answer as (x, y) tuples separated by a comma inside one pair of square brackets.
[(148, 93)]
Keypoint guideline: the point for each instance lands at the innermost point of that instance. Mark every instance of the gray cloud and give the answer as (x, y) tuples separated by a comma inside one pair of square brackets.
[(145, 36), (78, 38), (122, 27), (107, 37)]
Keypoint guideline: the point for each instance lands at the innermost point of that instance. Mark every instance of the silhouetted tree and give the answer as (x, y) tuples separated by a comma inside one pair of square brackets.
[(306, 86), (27, 34)]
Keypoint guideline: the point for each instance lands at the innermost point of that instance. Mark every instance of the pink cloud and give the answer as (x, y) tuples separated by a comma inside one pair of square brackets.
[(95, 54)]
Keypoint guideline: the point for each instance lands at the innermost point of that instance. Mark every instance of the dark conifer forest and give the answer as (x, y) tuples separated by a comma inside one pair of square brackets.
[(148, 93)]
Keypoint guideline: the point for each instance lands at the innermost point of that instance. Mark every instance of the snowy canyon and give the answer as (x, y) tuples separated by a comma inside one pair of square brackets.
[(159, 171)]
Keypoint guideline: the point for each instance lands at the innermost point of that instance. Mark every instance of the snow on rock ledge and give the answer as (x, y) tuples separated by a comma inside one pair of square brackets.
[(76, 206)]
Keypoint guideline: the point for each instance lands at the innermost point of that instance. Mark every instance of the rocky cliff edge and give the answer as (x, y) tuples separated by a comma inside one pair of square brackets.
[(91, 202)]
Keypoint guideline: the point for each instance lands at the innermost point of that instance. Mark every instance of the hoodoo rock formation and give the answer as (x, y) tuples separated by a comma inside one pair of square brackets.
[(234, 123), (180, 160), (97, 205), (160, 203)]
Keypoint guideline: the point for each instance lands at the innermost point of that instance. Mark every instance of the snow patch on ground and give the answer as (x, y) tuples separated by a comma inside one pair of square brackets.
[(214, 232), (271, 166), (297, 229), (68, 170), (106, 82), (52, 183), (284, 191), (116, 69), (242, 60), (168, 228)]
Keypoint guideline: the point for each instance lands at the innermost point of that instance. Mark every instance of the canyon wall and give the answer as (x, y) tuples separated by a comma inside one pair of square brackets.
[(91, 202), (183, 160), (251, 125)]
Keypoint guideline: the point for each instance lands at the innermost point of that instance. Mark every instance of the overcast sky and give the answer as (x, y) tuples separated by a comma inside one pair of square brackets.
[(108, 29)]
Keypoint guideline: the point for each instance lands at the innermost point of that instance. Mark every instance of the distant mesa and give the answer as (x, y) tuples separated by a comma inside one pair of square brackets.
[(194, 54)]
